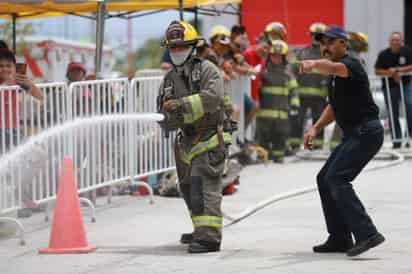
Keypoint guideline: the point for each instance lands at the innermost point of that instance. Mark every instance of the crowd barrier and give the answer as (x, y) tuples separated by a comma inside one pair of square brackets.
[(103, 154), (386, 96), (109, 153)]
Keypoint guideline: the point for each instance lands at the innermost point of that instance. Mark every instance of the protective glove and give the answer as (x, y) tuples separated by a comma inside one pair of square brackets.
[(173, 106)]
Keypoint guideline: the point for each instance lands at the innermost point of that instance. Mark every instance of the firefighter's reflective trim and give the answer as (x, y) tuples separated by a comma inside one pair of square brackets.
[(317, 142), (278, 153), (226, 100), (196, 109), (202, 147), (294, 141), (284, 91), (311, 91), (273, 114), (293, 84), (207, 221), (295, 101)]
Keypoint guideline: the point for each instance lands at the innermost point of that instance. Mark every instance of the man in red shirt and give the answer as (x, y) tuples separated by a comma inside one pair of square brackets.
[(255, 56), (8, 98)]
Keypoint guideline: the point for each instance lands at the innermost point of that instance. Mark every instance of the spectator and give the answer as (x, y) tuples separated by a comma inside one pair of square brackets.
[(239, 38), (239, 43), (392, 62), (3, 45), (9, 77), (8, 111), (255, 56), (220, 42), (75, 72)]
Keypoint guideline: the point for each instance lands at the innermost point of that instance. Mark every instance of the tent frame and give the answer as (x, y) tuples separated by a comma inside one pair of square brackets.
[(101, 16)]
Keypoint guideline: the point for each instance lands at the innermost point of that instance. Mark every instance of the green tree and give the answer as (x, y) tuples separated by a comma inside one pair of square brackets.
[(149, 55), (22, 30)]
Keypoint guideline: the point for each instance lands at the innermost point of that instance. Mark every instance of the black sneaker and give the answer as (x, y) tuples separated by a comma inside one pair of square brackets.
[(334, 245), (365, 245), (203, 247), (186, 238)]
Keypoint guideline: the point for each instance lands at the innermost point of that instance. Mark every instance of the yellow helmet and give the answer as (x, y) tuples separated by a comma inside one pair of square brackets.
[(358, 41), (220, 33), (278, 47), (276, 27), (180, 33), (317, 28)]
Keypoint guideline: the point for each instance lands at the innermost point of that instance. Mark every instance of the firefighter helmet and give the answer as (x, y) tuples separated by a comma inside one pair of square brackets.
[(358, 41), (180, 33), (317, 28), (277, 28), (278, 47), (220, 34)]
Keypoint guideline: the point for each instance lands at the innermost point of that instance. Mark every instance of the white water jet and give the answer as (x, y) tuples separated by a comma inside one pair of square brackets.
[(21, 150)]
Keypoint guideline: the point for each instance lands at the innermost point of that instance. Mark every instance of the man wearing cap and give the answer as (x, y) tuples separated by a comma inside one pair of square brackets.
[(351, 105), (75, 72)]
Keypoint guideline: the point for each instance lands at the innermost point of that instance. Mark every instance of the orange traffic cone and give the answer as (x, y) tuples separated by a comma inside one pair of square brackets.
[(67, 235)]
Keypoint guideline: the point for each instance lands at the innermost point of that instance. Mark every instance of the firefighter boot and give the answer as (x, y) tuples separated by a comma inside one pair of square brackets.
[(186, 238), (203, 247)]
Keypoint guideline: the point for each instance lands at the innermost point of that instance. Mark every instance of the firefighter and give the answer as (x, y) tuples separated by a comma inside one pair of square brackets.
[(275, 31), (312, 88), (277, 98), (192, 99), (358, 44), (220, 42)]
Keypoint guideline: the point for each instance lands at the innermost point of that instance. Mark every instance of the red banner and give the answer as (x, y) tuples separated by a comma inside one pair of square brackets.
[(296, 15)]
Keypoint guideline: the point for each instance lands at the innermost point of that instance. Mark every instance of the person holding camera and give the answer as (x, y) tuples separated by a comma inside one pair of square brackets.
[(10, 75)]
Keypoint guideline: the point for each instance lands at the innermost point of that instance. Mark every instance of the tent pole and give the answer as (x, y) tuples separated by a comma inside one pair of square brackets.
[(100, 18), (196, 17), (181, 10), (14, 22)]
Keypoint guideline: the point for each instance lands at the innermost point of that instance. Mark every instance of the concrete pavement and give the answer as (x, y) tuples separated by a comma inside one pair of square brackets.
[(133, 236)]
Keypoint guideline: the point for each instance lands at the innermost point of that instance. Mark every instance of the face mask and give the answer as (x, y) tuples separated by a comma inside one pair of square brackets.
[(179, 58)]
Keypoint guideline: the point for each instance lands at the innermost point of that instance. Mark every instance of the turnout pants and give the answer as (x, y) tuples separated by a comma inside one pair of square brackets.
[(273, 135), (317, 104), (201, 187), (343, 211)]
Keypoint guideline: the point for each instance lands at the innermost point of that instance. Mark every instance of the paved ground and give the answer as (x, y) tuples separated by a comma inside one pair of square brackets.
[(135, 237)]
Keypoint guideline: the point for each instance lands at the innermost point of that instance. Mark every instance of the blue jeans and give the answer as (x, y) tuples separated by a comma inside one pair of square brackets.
[(343, 211), (408, 102)]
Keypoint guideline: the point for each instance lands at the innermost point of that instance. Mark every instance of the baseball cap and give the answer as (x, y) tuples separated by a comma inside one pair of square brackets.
[(76, 65), (333, 31)]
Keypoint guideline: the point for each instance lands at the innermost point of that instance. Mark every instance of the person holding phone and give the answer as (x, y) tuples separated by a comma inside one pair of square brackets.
[(9, 76), (351, 105)]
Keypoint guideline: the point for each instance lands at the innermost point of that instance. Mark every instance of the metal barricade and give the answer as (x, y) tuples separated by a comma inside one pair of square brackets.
[(151, 151), (100, 152), (237, 90), (399, 106), (32, 179)]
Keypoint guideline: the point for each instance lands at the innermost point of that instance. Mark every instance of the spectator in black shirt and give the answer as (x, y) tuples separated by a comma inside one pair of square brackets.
[(352, 106), (391, 63)]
